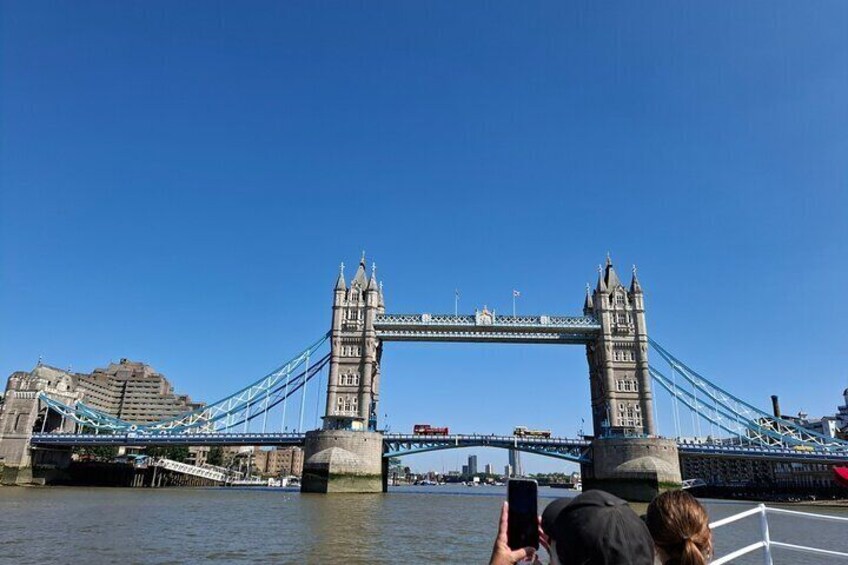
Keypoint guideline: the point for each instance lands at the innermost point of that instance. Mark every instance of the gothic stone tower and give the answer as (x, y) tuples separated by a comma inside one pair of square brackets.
[(23, 413), (622, 403), (347, 454), (628, 459), (353, 389)]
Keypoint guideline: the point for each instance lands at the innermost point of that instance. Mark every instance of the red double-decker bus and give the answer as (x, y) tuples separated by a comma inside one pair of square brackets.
[(428, 430)]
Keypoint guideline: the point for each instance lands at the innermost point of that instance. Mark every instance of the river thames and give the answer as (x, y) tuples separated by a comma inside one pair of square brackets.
[(448, 524)]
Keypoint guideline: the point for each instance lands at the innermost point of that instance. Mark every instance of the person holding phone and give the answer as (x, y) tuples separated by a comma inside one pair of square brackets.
[(595, 528), (519, 525), (502, 554)]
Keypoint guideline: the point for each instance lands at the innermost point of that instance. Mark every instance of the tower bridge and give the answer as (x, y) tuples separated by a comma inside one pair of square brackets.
[(348, 451)]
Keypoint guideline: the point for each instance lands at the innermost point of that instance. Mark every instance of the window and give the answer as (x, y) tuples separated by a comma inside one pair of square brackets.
[(351, 351), (348, 405), (621, 317), (351, 379), (619, 299)]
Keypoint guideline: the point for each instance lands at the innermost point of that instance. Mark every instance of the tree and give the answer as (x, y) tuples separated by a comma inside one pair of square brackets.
[(174, 452), (99, 453), (215, 456)]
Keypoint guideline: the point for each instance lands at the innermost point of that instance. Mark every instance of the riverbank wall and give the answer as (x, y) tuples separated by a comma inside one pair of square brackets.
[(102, 474)]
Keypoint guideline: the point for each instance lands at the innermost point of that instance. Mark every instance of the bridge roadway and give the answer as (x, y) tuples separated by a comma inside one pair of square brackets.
[(396, 445)]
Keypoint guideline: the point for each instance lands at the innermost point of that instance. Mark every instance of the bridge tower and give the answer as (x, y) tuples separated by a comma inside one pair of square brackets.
[(347, 454), (622, 403), (628, 459), (353, 389), (22, 413)]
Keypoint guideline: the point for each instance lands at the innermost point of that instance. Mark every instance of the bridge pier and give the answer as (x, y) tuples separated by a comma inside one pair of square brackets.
[(635, 469), (343, 461)]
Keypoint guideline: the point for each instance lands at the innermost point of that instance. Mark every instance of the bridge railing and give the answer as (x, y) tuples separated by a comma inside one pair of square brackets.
[(413, 320), (766, 543), (488, 437)]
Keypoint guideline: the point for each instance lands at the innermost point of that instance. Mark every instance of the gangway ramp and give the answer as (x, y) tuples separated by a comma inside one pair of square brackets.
[(193, 470)]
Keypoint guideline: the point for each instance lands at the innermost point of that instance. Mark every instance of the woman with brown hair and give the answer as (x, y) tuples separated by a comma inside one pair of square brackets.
[(681, 529)]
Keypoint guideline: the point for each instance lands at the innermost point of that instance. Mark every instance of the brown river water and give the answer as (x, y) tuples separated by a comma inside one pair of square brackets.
[(447, 524)]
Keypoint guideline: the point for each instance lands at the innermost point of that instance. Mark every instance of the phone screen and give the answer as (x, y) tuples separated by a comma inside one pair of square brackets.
[(523, 525)]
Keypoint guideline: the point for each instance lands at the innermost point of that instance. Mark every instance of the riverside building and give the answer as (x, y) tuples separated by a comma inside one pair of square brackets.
[(281, 461), (134, 392), (128, 390)]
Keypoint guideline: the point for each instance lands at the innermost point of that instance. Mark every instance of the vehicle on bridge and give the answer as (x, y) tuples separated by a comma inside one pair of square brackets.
[(523, 431), (428, 430), (840, 475)]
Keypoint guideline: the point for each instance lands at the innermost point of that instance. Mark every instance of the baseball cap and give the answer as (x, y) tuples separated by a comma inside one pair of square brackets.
[(597, 528)]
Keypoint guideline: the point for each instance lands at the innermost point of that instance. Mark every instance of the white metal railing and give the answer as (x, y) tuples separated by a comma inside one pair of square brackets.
[(766, 543)]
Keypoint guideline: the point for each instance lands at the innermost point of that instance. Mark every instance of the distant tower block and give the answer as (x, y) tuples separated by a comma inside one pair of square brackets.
[(622, 402), (515, 463), (353, 390)]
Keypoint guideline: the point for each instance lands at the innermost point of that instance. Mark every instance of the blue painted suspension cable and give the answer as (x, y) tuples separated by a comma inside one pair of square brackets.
[(292, 389), (686, 369), (98, 420)]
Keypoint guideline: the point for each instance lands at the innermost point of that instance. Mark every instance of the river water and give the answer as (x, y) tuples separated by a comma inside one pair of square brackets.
[(447, 524)]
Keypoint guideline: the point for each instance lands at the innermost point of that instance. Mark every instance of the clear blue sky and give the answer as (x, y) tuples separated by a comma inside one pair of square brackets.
[(181, 180)]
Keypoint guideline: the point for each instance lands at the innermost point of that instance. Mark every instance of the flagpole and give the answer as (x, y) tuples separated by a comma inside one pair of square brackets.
[(513, 304), (456, 302)]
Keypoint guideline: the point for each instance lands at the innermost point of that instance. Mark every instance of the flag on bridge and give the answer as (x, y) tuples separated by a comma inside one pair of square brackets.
[(515, 293)]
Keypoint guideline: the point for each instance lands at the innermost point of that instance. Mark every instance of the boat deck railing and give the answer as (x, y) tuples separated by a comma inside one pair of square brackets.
[(766, 543)]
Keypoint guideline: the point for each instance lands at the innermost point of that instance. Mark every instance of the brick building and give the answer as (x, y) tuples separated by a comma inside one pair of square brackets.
[(283, 461)]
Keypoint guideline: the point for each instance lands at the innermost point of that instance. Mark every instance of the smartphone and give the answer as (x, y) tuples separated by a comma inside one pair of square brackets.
[(523, 524)]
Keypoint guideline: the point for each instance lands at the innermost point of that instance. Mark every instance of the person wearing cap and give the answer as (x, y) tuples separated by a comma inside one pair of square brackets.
[(595, 528)]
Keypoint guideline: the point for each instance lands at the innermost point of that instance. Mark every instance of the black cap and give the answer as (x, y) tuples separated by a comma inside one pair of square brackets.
[(597, 528)]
